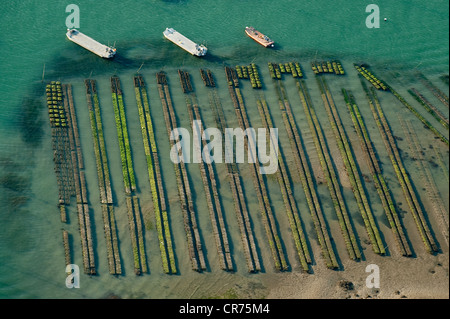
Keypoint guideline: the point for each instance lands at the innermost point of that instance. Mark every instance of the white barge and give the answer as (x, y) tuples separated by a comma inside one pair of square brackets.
[(184, 43), (90, 44)]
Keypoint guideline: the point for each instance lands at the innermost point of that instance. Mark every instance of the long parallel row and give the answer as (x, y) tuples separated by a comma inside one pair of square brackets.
[(430, 107), (154, 174), (208, 177), (61, 146), (286, 191), (420, 117), (243, 218), (84, 219), (434, 89), (134, 214), (402, 175), (72, 181), (439, 209), (351, 168), (329, 172), (106, 200), (413, 110), (381, 186), (259, 184), (184, 190), (306, 178)]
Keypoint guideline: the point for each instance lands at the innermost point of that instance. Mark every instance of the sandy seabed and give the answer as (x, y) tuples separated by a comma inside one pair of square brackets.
[(424, 277)]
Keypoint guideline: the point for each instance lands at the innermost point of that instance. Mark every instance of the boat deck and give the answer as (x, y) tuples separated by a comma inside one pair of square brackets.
[(90, 44), (184, 42)]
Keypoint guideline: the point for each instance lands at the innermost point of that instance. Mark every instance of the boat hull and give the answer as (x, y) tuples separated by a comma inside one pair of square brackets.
[(259, 37)]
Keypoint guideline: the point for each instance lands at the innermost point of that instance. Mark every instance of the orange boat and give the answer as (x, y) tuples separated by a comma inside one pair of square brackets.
[(259, 37)]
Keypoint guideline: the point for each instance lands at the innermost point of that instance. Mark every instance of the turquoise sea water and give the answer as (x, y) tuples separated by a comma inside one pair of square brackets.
[(32, 37)]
